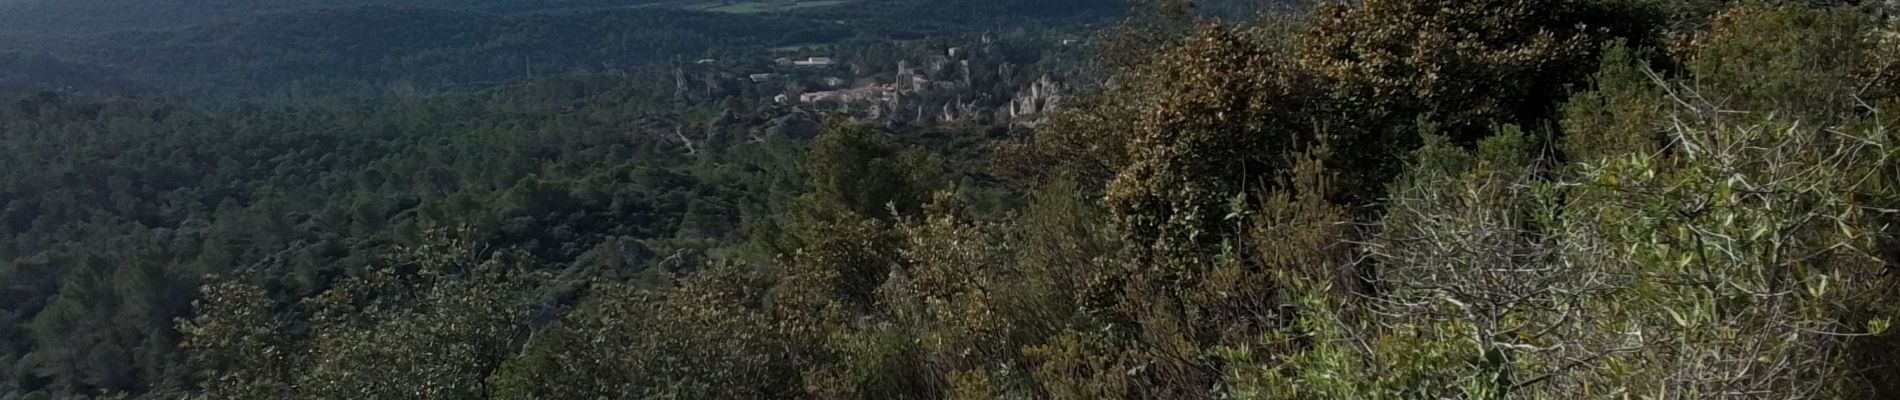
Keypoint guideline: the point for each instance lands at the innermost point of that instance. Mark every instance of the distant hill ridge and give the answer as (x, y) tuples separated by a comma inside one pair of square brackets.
[(57, 17), (259, 51), (91, 16), (430, 47)]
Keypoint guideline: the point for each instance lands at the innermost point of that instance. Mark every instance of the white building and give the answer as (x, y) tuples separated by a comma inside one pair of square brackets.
[(814, 62)]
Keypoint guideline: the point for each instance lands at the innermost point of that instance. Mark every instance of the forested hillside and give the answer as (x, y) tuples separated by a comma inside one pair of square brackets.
[(424, 48), (379, 49), (52, 16), (302, 149), (1385, 199)]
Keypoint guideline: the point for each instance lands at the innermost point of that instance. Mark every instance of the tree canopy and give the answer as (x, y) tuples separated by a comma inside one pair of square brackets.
[(1385, 199)]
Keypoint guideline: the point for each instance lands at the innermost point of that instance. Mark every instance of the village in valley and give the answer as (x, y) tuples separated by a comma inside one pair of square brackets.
[(990, 80)]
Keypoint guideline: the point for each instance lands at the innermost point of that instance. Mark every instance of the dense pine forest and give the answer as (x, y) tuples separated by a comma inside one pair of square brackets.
[(949, 199)]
